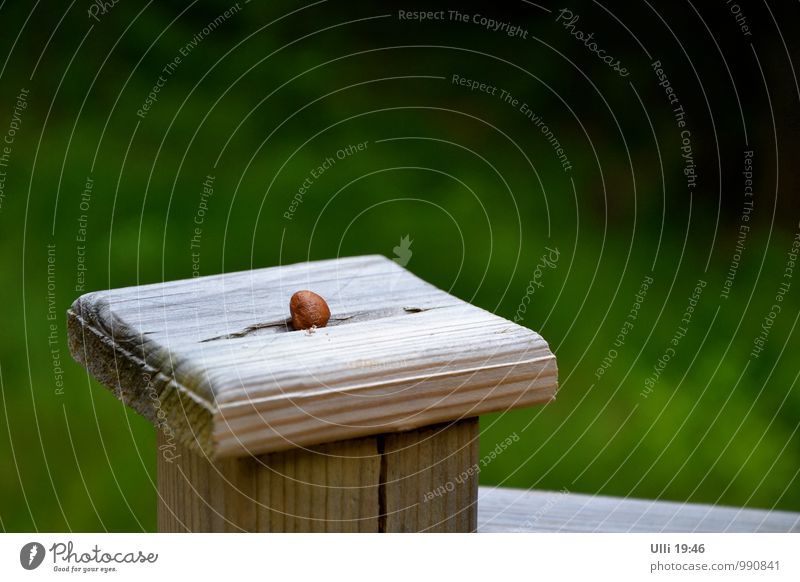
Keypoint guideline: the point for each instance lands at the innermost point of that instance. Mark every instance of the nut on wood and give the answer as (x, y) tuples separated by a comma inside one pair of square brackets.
[(308, 310)]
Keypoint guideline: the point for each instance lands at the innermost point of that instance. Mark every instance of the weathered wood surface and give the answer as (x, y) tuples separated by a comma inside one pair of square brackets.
[(415, 481), (210, 360), (331, 487), (517, 510), (430, 479)]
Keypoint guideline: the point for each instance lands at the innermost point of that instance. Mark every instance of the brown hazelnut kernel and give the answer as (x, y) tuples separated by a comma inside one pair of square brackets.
[(308, 310)]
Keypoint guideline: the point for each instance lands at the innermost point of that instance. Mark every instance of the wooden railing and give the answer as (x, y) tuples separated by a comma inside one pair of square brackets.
[(517, 510)]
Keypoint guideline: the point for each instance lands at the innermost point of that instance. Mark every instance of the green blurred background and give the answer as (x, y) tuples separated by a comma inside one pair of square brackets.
[(269, 92)]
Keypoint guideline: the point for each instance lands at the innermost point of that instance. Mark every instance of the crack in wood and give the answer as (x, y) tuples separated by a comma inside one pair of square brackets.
[(382, 475), (252, 328), (283, 325)]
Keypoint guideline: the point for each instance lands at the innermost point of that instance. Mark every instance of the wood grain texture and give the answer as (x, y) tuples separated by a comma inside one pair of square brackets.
[(334, 487), (431, 479), (331, 487), (211, 361), (516, 510)]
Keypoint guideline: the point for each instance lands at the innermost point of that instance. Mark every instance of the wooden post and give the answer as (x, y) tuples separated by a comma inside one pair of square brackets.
[(369, 424), (420, 480)]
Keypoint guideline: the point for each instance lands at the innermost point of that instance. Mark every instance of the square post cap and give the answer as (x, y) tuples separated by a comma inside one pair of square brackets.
[(213, 361)]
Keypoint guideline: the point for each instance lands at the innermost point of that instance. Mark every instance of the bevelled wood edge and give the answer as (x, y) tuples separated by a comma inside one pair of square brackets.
[(180, 415)]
